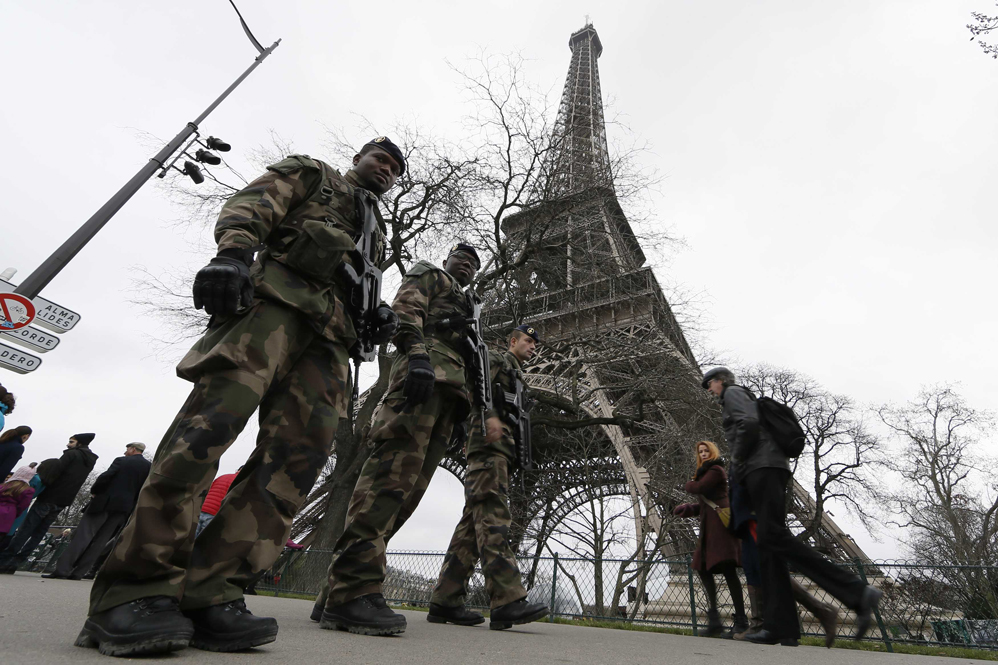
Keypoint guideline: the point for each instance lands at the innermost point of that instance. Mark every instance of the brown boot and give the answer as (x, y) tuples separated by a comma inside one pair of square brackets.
[(755, 608), (825, 613)]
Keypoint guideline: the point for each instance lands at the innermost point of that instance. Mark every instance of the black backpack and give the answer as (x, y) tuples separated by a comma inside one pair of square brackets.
[(782, 424)]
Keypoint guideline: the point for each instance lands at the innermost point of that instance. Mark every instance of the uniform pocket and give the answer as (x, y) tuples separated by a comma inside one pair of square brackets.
[(319, 250)]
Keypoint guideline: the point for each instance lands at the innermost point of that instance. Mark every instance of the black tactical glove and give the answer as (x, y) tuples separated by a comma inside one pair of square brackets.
[(385, 323), (224, 284), (419, 381)]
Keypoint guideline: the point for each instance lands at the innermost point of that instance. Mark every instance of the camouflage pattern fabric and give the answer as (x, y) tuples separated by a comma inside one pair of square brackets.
[(305, 212), (409, 443), (482, 533), (428, 295), (269, 357)]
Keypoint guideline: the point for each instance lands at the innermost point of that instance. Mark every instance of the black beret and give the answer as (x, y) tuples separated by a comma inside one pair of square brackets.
[(386, 144), (468, 249), (529, 331)]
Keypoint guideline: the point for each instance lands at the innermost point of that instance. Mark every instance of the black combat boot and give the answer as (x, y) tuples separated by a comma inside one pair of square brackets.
[(230, 627), (460, 615), (317, 608), (714, 625), (366, 615), (766, 637), (515, 613), (141, 627)]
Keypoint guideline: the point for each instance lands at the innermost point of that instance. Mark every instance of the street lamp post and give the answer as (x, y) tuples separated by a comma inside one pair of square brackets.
[(51, 267)]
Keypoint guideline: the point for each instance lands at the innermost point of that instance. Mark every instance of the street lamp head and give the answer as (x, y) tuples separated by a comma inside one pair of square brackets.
[(192, 171), (207, 157), (217, 144)]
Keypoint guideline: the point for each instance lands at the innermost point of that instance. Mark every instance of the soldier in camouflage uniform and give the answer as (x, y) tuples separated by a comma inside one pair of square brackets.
[(279, 340), (428, 395), (483, 529)]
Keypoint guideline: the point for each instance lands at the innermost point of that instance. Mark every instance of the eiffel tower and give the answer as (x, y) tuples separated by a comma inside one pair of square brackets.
[(613, 352)]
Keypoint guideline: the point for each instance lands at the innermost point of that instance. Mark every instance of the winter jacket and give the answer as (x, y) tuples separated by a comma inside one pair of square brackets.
[(37, 486), (67, 477), (117, 489), (716, 545), (10, 455), (11, 507), (750, 445), (219, 488)]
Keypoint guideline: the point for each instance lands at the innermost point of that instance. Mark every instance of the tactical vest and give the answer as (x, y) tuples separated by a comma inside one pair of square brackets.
[(316, 235)]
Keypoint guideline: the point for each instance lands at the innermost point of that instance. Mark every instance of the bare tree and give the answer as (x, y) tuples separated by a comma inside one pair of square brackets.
[(836, 465), (982, 25)]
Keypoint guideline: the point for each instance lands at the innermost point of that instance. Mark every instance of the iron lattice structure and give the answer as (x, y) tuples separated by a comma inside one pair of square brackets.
[(613, 352)]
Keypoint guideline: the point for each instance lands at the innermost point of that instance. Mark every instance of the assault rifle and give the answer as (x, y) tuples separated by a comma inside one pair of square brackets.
[(516, 412), (478, 353), (363, 289)]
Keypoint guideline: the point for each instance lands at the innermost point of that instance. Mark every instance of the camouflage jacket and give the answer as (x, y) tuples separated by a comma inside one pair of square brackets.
[(428, 295), (504, 369), (303, 214)]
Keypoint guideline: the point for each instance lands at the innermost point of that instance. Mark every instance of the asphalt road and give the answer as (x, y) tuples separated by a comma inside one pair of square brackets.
[(40, 619)]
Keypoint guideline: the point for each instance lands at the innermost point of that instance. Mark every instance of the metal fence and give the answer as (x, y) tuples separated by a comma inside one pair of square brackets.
[(924, 605)]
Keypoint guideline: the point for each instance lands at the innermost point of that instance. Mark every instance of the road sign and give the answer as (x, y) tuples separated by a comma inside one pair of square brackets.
[(32, 338), (18, 361), (48, 314), (16, 311)]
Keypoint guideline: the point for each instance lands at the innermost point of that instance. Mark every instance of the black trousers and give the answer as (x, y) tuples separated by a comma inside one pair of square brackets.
[(778, 547), (89, 540)]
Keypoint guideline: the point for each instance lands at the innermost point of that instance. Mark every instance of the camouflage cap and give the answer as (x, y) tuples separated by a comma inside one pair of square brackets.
[(467, 249), (385, 143), (529, 331)]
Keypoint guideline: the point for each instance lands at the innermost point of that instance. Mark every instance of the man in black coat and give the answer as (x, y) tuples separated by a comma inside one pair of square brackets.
[(62, 484), (113, 497), (762, 468)]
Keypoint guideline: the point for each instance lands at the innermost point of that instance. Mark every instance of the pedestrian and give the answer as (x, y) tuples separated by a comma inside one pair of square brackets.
[(213, 500), (279, 339), (15, 496), (482, 532), (36, 484), (7, 402), (744, 526), (63, 481), (764, 469), (113, 496), (12, 447), (428, 394), (717, 551)]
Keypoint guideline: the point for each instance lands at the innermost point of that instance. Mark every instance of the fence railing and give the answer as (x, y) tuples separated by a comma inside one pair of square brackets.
[(925, 605)]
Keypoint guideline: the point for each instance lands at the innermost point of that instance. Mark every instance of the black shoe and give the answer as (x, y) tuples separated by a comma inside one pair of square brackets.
[(864, 616), (714, 625), (55, 576), (366, 615), (460, 615), (766, 637), (316, 614), (516, 613), (144, 626), (740, 628), (230, 627)]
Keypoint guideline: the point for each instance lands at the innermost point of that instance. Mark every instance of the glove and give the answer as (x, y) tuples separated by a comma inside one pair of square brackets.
[(459, 436), (419, 380), (385, 323), (223, 285)]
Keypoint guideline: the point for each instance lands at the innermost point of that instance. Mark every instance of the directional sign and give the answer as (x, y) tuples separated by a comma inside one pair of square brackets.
[(16, 311), (48, 314), (32, 338), (18, 361)]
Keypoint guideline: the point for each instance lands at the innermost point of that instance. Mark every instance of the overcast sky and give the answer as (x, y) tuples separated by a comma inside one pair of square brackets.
[(830, 165)]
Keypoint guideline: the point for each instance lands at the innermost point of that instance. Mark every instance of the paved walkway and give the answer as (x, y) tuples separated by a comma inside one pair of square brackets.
[(39, 620)]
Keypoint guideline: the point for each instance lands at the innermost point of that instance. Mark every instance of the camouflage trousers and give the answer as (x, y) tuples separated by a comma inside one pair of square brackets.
[(408, 447), (482, 533), (270, 358)]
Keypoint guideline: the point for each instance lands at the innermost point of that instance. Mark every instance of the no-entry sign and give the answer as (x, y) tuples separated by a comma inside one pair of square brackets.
[(16, 311)]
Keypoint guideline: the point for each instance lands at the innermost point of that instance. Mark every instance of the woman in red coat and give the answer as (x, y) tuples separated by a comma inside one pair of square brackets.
[(718, 551)]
